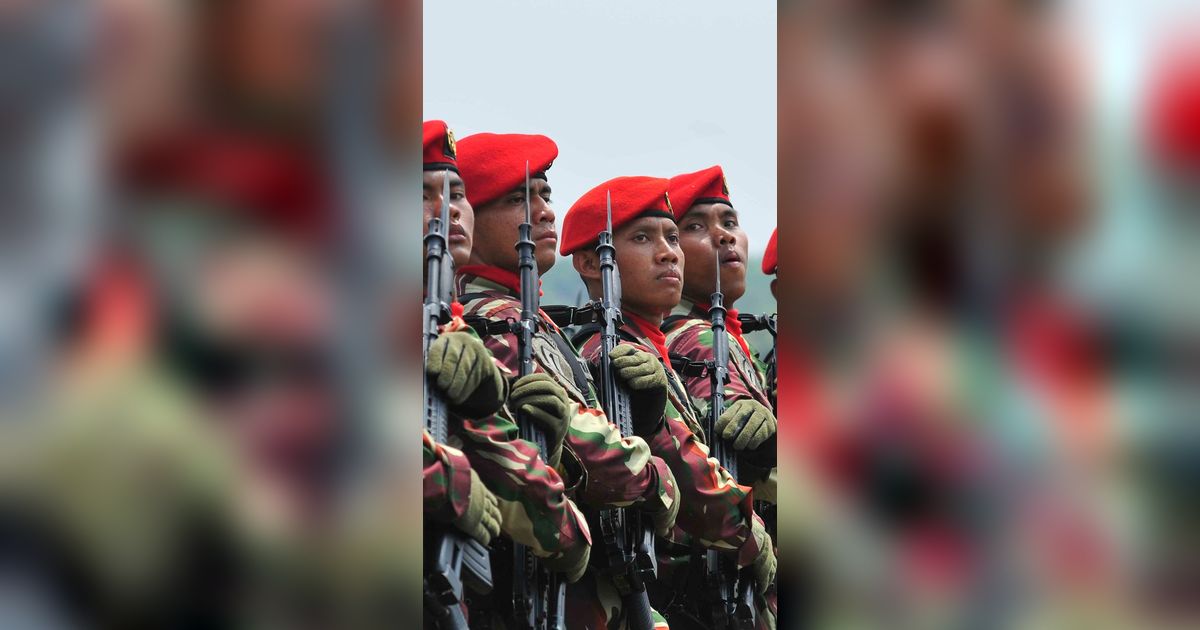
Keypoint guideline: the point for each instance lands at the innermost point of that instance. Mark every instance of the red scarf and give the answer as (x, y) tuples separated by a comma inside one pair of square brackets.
[(651, 332), (502, 277), (733, 326)]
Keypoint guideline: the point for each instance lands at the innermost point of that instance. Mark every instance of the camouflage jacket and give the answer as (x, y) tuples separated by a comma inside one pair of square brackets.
[(716, 511), (445, 480), (689, 336), (534, 507), (615, 471)]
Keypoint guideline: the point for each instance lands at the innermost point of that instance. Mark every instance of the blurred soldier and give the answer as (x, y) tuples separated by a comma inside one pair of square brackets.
[(716, 511), (533, 506), (603, 468)]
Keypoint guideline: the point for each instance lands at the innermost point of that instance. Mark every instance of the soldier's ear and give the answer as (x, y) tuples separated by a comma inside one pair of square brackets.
[(587, 263)]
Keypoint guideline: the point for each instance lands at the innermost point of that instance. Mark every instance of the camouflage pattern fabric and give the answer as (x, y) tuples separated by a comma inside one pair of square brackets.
[(445, 480), (691, 337), (534, 507), (716, 511), (614, 471)]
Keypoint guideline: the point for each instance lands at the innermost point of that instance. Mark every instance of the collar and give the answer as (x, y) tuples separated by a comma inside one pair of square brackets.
[(503, 277), (645, 330), (733, 325)]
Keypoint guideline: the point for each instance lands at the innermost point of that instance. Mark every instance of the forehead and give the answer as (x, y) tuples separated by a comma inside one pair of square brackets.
[(703, 210), (651, 223), (434, 178), (536, 184)]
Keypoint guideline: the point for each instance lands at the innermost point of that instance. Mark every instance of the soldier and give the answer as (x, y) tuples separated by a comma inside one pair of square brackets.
[(604, 468), (532, 503), (716, 511), (708, 228)]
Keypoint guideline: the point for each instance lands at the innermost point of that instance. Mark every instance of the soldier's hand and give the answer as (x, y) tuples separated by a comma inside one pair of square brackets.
[(747, 423), (462, 368), (765, 564), (544, 401), (646, 381), (481, 520)]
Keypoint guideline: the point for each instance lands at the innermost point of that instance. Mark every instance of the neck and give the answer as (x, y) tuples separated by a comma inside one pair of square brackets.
[(655, 318)]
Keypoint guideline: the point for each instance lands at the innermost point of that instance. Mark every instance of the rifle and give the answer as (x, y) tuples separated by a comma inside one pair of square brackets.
[(457, 560), (755, 323), (628, 538), (729, 607), (539, 596)]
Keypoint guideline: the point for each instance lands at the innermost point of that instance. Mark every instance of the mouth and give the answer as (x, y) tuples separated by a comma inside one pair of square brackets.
[(671, 276), (548, 236), (731, 259), (457, 234)]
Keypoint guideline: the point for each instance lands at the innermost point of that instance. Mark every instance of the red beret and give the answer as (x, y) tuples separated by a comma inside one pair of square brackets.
[(706, 186), (1174, 109), (270, 182), (493, 164), (771, 257), (438, 152), (631, 198)]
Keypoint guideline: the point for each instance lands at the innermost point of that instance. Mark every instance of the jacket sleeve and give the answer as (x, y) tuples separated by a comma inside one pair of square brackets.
[(534, 506), (445, 480), (616, 471)]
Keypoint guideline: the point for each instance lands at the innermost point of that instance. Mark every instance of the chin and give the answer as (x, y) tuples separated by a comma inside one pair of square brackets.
[(545, 262)]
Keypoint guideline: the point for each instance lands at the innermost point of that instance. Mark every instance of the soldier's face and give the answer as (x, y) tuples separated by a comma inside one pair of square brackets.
[(462, 217), (498, 222), (708, 231), (651, 265)]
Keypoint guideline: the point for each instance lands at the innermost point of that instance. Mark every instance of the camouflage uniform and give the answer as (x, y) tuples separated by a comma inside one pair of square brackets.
[(445, 480), (689, 335), (611, 470), (534, 508), (716, 511)]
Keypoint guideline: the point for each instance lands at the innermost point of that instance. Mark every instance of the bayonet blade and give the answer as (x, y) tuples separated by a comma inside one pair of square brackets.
[(608, 203), (528, 211), (718, 290), (446, 206)]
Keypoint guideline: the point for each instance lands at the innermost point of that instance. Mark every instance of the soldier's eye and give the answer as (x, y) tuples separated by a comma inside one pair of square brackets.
[(732, 223), (695, 226), (673, 237)]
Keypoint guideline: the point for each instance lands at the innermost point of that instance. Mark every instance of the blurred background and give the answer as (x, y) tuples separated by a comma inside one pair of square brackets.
[(989, 217)]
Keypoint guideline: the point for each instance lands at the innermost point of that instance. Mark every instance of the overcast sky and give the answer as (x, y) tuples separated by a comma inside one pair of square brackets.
[(625, 87)]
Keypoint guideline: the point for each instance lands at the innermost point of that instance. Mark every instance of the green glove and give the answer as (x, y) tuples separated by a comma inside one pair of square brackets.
[(573, 563), (765, 565), (646, 381), (481, 521), (747, 423), (541, 399), (462, 368)]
